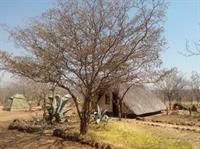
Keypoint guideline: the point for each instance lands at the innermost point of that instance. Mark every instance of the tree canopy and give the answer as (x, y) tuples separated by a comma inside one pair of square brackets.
[(82, 45)]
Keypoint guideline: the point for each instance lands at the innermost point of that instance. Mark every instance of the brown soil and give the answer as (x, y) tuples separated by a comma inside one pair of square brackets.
[(12, 139), (176, 118)]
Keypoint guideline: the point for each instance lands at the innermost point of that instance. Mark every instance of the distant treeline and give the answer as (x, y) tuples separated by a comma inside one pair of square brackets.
[(184, 95), (34, 92)]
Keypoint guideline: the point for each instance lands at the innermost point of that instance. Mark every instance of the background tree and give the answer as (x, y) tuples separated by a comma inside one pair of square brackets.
[(84, 45), (192, 50), (195, 86), (34, 92), (170, 86)]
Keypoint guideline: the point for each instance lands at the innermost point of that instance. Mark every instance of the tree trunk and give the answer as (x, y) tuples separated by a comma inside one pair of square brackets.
[(170, 103), (116, 99), (85, 116), (120, 109), (44, 108), (167, 110), (190, 111)]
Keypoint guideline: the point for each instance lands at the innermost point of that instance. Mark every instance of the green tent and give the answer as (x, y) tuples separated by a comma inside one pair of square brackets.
[(16, 103)]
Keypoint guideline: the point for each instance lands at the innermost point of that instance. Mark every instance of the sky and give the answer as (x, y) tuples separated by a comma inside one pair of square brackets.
[(182, 23)]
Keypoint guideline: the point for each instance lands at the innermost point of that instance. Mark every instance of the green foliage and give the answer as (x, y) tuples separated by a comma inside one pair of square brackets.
[(56, 111), (100, 115)]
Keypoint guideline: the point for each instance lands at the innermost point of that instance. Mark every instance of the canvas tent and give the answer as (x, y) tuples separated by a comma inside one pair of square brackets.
[(137, 101), (16, 103), (142, 101)]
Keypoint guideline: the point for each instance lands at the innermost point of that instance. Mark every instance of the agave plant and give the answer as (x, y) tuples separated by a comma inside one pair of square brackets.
[(56, 111), (100, 115)]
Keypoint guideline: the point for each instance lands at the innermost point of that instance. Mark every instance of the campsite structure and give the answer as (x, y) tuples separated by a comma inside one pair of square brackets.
[(16, 102), (138, 101)]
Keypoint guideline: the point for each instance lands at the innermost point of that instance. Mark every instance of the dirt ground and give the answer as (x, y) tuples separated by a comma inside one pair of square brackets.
[(11, 139), (178, 118)]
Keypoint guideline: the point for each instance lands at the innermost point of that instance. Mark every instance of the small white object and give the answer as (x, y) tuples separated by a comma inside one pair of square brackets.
[(68, 96), (98, 121)]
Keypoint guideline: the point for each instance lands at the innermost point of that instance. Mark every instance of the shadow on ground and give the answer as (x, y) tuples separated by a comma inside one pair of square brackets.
[(15, 139)]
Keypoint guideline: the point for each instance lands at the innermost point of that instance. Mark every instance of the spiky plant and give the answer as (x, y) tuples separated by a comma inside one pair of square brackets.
[(100, 115), (56, 111)]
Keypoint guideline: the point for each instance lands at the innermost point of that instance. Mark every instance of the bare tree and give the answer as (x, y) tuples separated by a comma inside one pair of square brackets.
[(85, 45), (195, 86), (192, 50), (33, 91), (170, 86)]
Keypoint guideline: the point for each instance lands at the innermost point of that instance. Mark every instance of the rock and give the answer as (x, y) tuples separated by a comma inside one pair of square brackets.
[(23, 126), (58, 133), (108, 147), (97, 145), (85, 142), (34, 129), (193, 108), (17, 124), (178, 106)]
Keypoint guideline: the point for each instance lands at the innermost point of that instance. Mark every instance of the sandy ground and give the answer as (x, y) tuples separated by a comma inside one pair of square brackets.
[(11, 139)]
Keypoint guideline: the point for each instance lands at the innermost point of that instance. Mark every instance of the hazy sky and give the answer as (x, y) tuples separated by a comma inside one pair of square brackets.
[(183, 22)]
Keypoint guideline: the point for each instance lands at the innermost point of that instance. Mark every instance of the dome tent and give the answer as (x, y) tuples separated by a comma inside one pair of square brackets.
[(16, 102)]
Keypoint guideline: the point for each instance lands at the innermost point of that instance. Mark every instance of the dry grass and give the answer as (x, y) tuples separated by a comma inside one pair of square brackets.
[(131, 135)]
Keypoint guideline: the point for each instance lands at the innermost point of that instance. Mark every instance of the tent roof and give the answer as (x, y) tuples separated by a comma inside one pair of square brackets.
[(141, 101), (17, 96)]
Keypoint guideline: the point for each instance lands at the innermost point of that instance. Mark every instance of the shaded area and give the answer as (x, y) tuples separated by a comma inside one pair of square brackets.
[(15, 139)]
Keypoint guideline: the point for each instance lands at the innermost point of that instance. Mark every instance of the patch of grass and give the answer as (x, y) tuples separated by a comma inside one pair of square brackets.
[(131, 135)]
